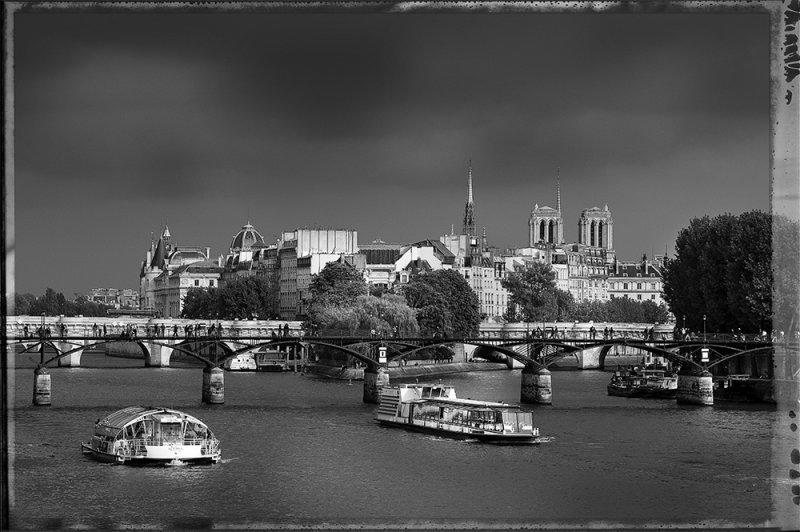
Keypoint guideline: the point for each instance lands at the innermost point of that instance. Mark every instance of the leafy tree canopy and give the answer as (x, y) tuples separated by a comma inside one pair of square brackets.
[(54, 303), (337, 284), (456, 308), (534, 295), (253, 296), (722, 269), (384, 316)]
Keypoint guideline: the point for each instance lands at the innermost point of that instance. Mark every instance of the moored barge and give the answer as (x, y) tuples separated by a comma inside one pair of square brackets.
[(644, 383)]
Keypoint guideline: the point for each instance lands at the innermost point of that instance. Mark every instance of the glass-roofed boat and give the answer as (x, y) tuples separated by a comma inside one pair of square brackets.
[(152, 435), (436, 409)]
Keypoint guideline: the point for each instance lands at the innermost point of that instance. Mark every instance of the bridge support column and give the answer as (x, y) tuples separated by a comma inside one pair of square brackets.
[(213, 385), (72, 360), (536, 386), (157, 356), (374, 380), (695, 387), (41, 386)]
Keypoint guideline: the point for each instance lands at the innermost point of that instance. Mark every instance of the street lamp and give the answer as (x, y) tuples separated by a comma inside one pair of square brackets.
[(41, 346), (704, 328)]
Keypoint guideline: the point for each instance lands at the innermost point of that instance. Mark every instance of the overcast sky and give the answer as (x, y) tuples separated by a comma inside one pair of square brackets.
[(367, 121)]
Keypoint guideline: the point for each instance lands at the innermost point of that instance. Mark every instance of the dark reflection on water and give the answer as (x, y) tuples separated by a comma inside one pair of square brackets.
[(303, 450)]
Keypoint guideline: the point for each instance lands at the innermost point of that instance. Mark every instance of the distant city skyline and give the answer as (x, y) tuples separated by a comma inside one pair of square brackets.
[(125, 122)]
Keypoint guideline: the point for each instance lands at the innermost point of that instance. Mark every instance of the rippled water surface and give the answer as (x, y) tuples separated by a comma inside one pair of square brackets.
[(301, 449)]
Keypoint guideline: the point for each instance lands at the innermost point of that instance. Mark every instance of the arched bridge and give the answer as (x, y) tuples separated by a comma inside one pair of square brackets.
[(695, 358)]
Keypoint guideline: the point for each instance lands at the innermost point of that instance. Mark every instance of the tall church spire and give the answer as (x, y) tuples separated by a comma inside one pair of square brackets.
[(469, 209), (558, 190), (469, 196)]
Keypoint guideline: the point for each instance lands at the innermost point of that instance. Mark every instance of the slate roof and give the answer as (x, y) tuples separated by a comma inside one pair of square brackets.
[(447, 255), (635, 270), (199, 267), (158, 255)]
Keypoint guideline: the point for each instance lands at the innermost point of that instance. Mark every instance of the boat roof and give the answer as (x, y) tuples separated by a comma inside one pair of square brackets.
[(130, 414), (468, 403)]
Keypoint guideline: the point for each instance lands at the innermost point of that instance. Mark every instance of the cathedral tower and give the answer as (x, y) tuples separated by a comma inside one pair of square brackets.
[(596, 228), (545, 224)]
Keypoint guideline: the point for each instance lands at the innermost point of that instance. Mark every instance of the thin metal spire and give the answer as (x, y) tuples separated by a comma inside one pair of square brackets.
[(469, 197), (558, 190)]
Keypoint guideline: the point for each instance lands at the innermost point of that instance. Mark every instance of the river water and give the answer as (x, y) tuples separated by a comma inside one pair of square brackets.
[(302, 450)]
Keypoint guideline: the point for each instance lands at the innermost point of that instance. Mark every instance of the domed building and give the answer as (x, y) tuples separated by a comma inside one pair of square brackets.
[(248, 253), (244, 239)]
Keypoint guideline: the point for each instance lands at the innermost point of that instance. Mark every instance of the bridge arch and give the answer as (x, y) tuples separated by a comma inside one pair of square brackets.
[(107, 341), (502, 349), (757, 350), (605, 345), (299, 341)]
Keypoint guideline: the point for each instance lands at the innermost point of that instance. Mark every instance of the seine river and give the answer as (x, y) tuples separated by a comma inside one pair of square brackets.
[(302, 450)]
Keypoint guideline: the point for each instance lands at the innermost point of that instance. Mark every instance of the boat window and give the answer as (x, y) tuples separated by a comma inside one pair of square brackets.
[(171, 431), (426, 391)]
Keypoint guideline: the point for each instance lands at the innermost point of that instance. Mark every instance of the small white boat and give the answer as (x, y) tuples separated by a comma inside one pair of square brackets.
[(138, 435), (436, 409), (243, 362)]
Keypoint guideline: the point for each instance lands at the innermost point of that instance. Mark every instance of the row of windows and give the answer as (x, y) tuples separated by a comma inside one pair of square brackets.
[(624, 286), (638, 296)]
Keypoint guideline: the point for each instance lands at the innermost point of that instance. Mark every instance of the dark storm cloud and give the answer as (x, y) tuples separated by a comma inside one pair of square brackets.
[(368, 121)]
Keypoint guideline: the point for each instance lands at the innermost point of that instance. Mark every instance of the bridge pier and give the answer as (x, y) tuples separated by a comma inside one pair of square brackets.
[(72, 360), (695, 387), (213, 385), (41, 386), (374, 380), (537, 386), (157, 356)]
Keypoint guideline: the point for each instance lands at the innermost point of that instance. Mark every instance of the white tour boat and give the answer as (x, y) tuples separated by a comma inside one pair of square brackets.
[(436, 409), (138, 435)]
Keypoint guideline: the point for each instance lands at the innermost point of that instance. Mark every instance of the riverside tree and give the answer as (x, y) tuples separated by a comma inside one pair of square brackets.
[(243, 298), (535, 297), (722, 269), (336, 284), (445, 303), (340, 301), (53, 303)]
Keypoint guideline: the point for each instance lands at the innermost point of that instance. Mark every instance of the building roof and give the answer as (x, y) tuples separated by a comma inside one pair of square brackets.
[(446, 255), (204, 266), (635, 269), (386, 255), (245, 238), (159, 255), (183, 254)]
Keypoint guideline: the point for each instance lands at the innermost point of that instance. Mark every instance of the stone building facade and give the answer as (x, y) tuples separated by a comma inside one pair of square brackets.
[(161, 260)]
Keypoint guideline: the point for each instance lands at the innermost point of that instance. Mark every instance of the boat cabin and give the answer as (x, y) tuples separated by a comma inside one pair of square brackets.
[(135, 428)]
